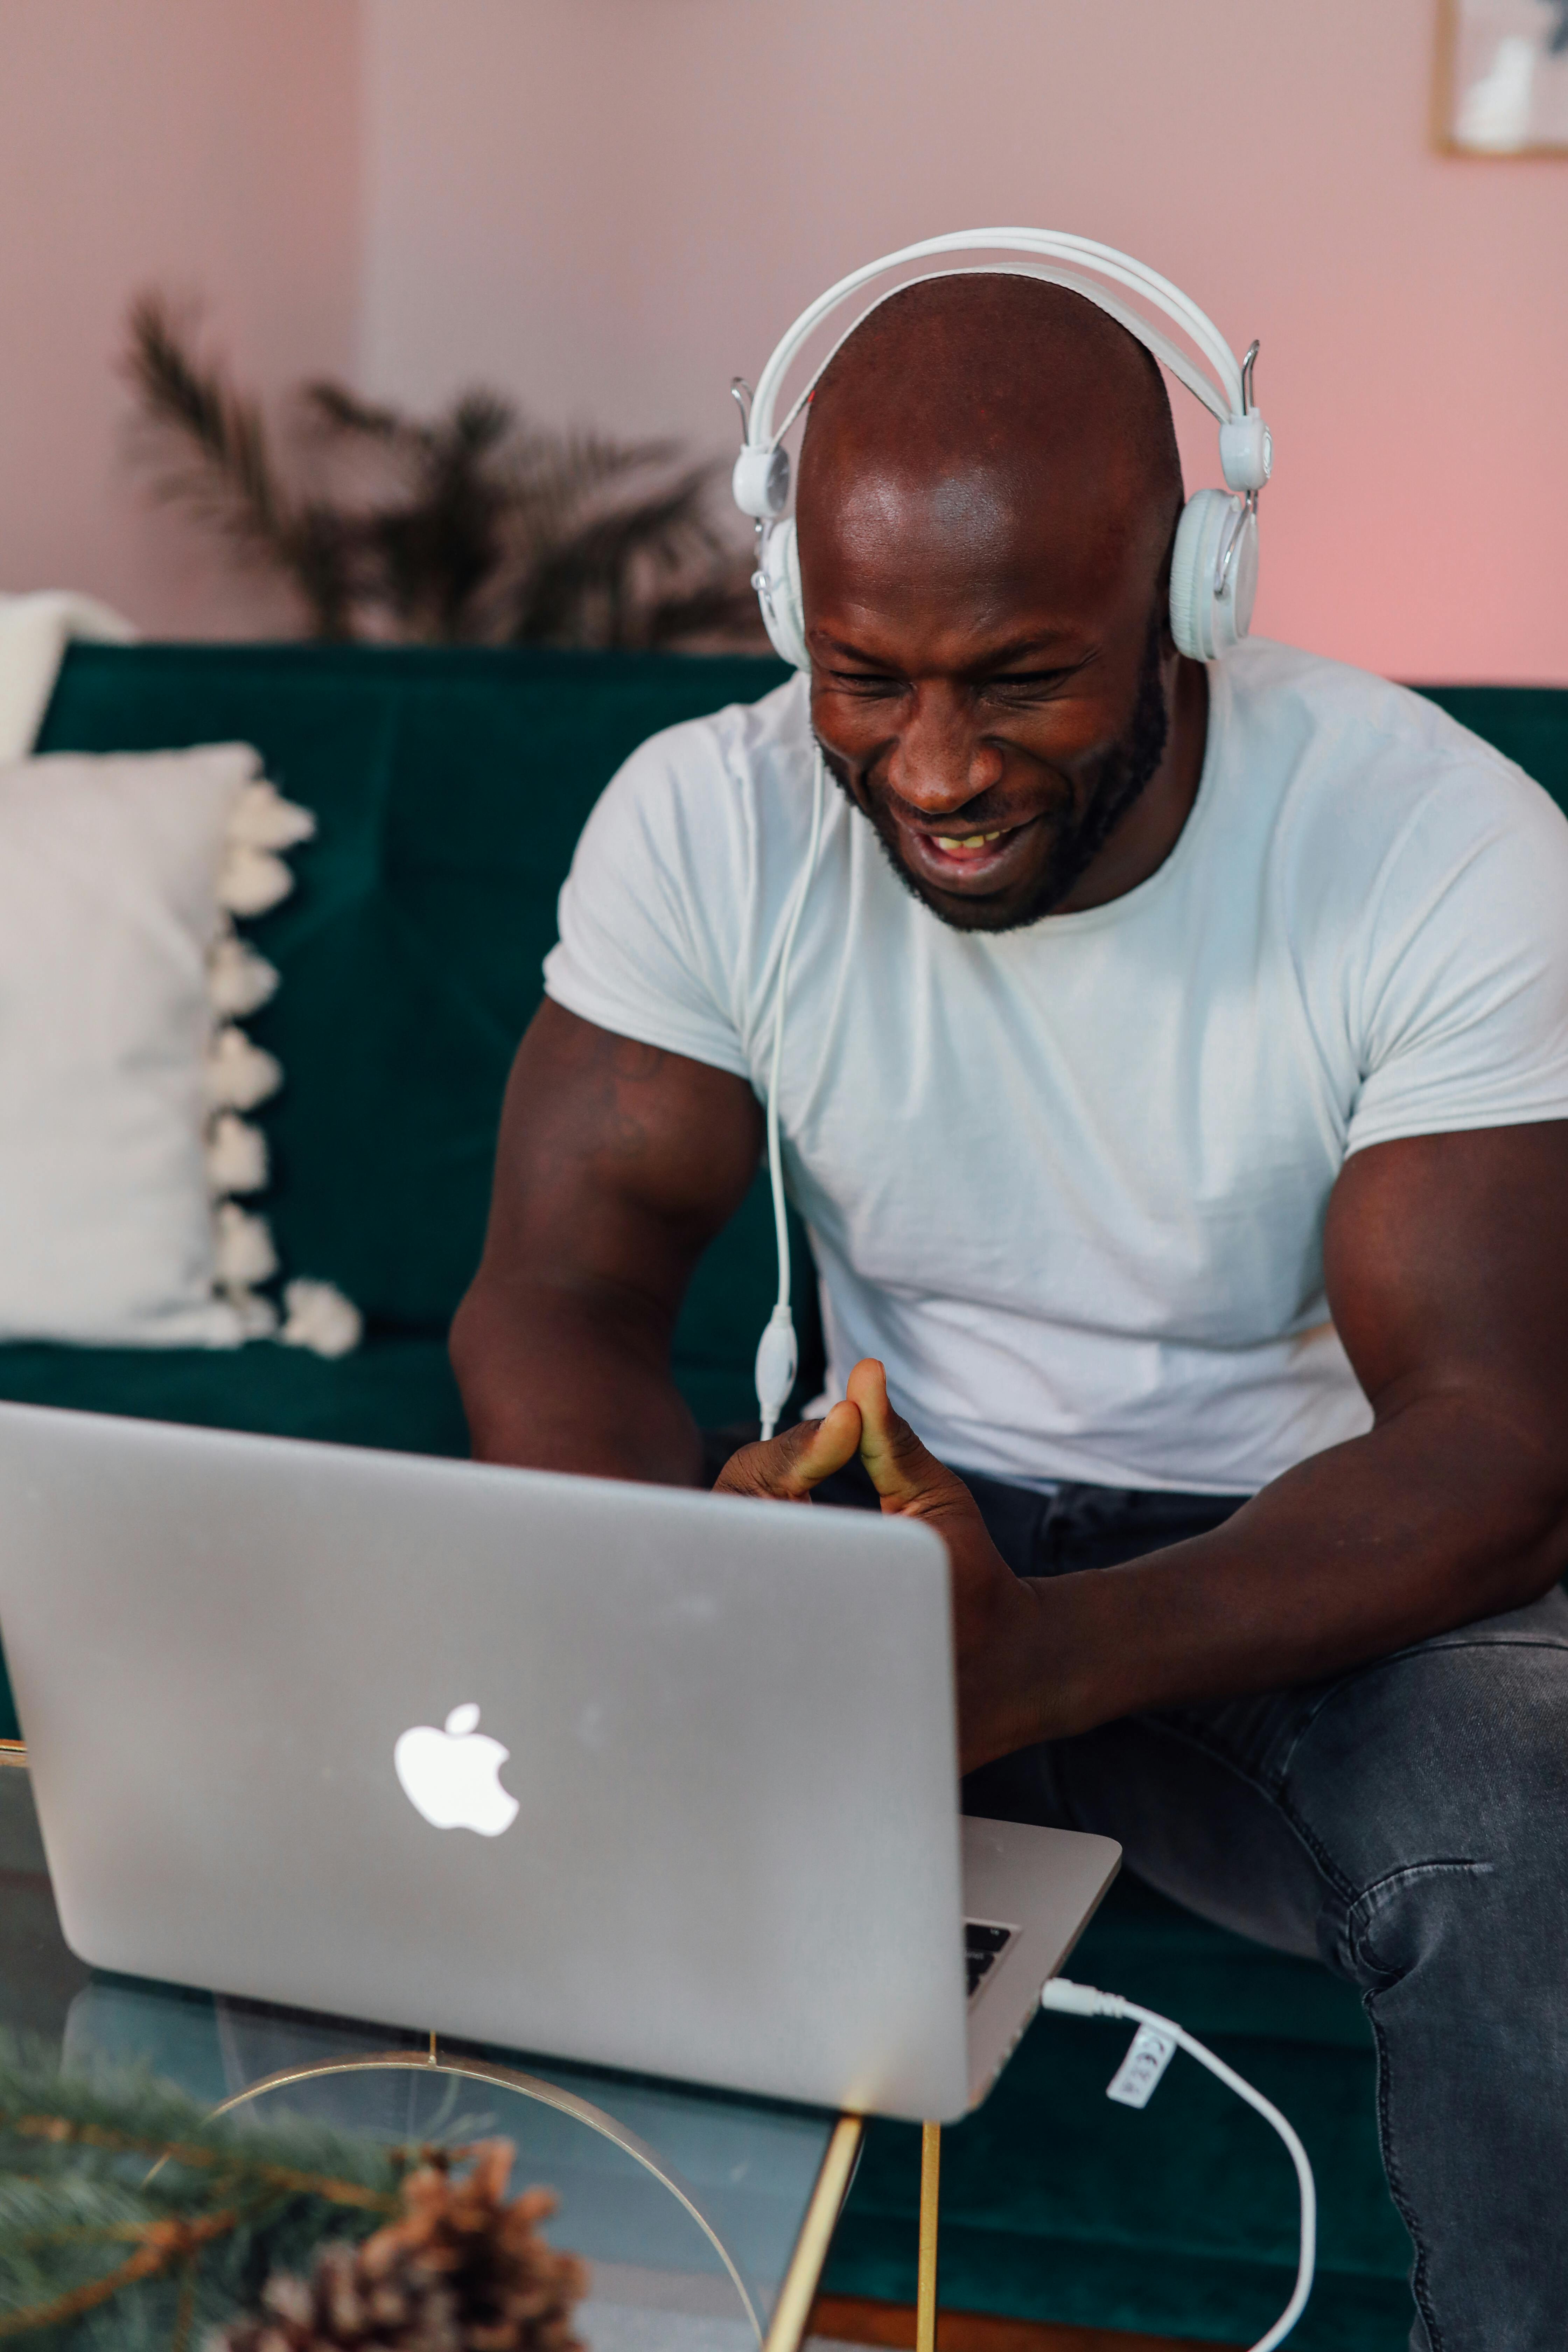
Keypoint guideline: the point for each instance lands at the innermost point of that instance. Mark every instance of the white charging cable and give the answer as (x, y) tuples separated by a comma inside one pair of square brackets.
[(777, 1353), (1136, 2080)]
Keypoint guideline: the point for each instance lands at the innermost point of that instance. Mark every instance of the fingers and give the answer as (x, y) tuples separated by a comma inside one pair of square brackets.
[(995, 1612), (785, 1468), (904, 1473)]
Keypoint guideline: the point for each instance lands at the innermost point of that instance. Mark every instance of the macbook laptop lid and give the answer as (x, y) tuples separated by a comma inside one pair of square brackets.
[(650, 1778)]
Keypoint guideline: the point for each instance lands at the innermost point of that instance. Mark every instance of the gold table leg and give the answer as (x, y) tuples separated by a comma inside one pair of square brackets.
[(794, 2306), (925, 2276)]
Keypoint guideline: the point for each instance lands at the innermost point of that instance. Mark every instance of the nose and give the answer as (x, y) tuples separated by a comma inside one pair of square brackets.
[(940, 761)]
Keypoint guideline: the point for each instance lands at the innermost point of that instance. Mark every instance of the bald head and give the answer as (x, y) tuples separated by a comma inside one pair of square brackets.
[(988, 390), (988, 492)]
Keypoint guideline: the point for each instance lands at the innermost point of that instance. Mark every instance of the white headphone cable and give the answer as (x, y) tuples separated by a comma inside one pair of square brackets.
[(777, 1351), (1070, 1999)]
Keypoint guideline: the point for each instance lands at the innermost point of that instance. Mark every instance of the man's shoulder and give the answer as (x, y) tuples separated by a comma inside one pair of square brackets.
[(743, 743), (1359, 714), (1345, 748), (715, 802), (1377, 806)]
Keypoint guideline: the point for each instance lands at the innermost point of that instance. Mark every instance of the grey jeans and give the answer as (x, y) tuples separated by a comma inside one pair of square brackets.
[(1408, 1825)]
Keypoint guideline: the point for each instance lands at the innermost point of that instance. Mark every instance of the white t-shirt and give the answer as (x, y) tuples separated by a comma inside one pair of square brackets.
[(1068, 1183)]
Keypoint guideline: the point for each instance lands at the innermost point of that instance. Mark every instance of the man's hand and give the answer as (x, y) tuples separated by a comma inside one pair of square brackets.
[(995, 1615)]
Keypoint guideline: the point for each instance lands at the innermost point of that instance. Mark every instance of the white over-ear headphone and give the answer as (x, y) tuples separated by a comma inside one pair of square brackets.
[(1214, 566)]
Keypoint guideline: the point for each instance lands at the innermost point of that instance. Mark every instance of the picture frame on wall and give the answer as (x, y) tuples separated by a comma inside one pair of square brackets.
[(1503, 78)]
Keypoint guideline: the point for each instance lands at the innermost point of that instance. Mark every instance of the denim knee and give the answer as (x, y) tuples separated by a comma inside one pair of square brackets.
[(1438, 1782)]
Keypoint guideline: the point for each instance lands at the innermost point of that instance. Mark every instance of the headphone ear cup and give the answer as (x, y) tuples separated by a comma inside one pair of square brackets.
[(1203, 624), (777, 584), (1244, 580)]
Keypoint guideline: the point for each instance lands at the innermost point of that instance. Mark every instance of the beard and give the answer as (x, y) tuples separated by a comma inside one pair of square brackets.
[(1118, 779)]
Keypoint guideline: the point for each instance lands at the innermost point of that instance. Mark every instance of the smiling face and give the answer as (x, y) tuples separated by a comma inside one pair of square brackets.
[(988, 491)]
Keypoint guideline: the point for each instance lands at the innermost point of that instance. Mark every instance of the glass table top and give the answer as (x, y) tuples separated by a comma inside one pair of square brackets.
[(704, 2216)]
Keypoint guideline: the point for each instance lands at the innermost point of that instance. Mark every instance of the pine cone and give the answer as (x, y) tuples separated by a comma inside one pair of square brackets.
[(403, 2309), (459, 2271)]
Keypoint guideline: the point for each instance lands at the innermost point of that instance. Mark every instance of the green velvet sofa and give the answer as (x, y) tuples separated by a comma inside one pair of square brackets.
[(449, 788)]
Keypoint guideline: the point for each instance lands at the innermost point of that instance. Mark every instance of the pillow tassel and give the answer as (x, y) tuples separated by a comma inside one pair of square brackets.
[(320, 1318), (240, 1075), (239, 981), (263, 819), (242, 1254), (236, 1155), (250, 880), (252, 876)]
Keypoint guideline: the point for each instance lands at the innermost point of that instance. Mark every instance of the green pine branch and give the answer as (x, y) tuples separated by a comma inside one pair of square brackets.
[(129, 2218)]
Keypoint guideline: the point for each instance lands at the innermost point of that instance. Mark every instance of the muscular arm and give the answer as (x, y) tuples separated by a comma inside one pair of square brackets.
[(1447, 1263), (616, 1165)]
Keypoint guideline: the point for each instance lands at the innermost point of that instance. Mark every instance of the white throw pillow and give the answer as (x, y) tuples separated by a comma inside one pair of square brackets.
[(123, 1073)]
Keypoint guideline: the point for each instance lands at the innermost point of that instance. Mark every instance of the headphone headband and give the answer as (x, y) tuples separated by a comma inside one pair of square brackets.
[(762, 473)]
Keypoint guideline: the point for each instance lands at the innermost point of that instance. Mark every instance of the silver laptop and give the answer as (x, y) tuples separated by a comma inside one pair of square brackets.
[(648, 1777)]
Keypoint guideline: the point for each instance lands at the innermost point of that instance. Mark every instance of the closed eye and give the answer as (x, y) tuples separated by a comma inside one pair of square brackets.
[(1028, 681), (1025, 681), (870, 682)]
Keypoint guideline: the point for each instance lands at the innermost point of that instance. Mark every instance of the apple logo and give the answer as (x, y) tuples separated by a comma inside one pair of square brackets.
[(452, 1776)]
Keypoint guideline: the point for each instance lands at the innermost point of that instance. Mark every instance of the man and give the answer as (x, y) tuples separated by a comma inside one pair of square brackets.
[(1176, 1084)]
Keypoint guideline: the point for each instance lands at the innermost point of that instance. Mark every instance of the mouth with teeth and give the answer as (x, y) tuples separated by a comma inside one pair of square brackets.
[(954, 860)]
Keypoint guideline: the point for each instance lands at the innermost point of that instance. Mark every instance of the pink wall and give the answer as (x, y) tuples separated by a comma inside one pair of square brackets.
[(610, 206), (210, 146)]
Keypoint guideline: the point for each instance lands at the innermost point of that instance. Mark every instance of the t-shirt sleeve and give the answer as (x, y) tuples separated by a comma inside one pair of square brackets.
[(1463, 1012), (658, 879)]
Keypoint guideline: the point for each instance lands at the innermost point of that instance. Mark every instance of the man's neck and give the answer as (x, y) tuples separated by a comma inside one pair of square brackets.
[(1152, 825)]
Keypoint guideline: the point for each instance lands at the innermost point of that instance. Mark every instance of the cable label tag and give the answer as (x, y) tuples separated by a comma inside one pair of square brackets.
[(1137, 2078)]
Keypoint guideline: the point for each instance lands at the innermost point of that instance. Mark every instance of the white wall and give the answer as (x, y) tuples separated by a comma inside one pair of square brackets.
[(209, 146), (610, 206)]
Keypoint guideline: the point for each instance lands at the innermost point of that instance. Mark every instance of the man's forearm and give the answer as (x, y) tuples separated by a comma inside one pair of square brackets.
[(551, 1381), (1440, 1516)]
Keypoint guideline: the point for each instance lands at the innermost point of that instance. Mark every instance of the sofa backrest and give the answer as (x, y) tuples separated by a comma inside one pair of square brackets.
[(1528, 724), (449, 787)]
